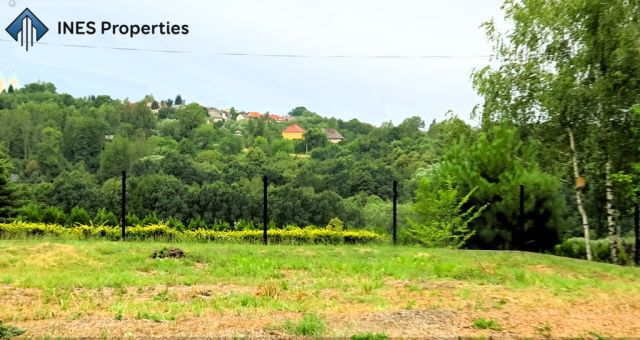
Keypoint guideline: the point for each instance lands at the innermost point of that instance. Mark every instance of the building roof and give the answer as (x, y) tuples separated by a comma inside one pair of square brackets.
[(215, 113), (333, 134), (255, 114), (295, 128), (277, 118)]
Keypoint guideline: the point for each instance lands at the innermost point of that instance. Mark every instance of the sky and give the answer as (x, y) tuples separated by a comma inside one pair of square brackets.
[(374, 90)]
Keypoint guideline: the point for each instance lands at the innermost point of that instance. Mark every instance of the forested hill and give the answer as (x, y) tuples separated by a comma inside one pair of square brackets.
[(201, 167), (189, 162)]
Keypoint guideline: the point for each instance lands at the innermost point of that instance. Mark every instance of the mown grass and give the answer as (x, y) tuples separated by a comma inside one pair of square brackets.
[(97, 264), (303, 284)]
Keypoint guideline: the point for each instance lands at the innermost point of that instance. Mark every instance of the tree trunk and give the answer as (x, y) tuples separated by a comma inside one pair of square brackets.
[(581, 210), (613, 232)]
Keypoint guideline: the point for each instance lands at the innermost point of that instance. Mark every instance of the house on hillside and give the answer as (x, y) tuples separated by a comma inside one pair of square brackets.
[(293, 132), (216, 115), (277, 118), (242, 116), (255, 115), (333, 135)]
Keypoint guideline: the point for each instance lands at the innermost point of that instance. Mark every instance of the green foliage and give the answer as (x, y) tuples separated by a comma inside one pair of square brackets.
[(118, 156), (309, 325), (157, 193), (441, 221), (174, 223), (600, 250), (30, 213), (570, 67), (481, 323), (494, 168), (78, 216), (197, 223), (132, 219), (291, 235), (53, 215), (9, 332), (7, 190), (335, 224), (191, 116), (370, 336), (74, 188), (105, 218), (151, 219)]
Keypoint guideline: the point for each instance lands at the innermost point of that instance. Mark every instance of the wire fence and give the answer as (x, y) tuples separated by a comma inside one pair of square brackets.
[(393, 216)]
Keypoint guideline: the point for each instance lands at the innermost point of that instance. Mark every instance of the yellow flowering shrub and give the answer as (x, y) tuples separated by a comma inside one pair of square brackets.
[(160, 232)]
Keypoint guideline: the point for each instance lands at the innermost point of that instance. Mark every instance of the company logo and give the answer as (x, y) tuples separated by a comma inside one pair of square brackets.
[(27, 29)]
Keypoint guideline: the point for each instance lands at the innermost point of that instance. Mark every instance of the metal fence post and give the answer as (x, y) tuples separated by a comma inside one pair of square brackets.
[(395, 212), (124, 205), (521, 218), (265, 210)]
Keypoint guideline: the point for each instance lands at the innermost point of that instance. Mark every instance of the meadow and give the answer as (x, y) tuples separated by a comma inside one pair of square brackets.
[(53, 287)]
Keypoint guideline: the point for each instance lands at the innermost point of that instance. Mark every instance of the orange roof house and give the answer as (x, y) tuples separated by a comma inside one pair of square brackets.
[(293, 132), (277, 118), (255, 114)]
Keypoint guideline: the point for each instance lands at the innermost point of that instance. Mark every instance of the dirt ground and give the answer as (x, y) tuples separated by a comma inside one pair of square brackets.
[(442, 309)]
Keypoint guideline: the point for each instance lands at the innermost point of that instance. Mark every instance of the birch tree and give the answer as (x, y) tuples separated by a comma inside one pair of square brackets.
[(573, 64)]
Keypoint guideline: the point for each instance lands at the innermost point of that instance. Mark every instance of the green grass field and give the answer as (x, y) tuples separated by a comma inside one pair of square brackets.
[(98, 288)]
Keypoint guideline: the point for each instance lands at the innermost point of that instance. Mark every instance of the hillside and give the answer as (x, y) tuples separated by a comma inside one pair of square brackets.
[(116, 289)]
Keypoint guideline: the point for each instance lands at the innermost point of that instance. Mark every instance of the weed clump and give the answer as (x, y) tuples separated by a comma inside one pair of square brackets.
[(370, 336), (481, 323), (310, 325), (164, 253), (8, 332)]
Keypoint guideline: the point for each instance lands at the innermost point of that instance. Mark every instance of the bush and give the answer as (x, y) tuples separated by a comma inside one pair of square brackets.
[(78, 216), (292, 235), (600, 250), (53, 215), (197, 223), (151, 219), (175, 223), (105, 218), (132, 219), (30, 213), (335, 224)]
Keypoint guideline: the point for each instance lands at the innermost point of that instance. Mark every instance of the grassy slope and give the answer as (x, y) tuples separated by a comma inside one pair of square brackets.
[(72, 280)]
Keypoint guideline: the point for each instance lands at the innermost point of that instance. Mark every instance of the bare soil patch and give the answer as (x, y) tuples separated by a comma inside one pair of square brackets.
[(438, 309)]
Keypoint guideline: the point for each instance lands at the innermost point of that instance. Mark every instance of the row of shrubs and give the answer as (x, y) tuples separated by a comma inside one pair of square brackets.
[(600, 250), (79, 216), (161, 232)]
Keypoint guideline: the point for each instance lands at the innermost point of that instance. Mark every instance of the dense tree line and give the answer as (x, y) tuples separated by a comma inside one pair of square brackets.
[(69, 152)]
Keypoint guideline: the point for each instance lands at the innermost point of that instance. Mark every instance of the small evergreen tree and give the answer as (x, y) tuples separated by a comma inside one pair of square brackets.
[(179, 100)]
